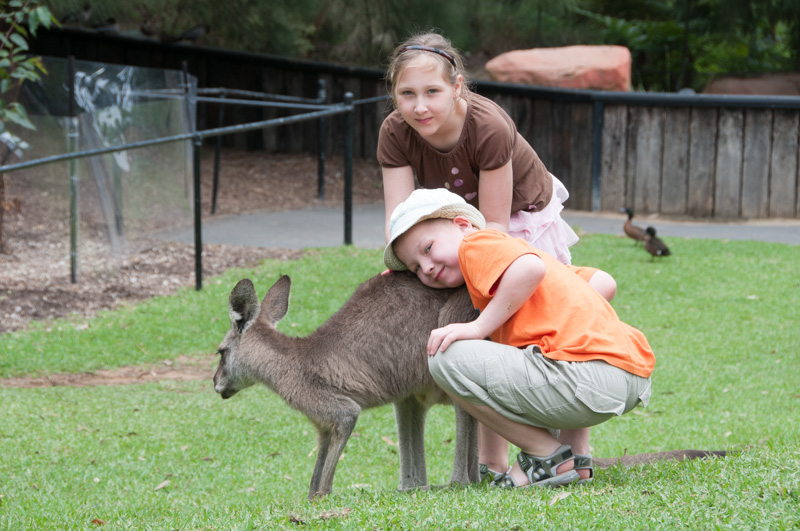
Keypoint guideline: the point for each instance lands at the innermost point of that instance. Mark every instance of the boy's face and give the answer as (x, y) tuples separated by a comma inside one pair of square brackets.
[(430, 250)]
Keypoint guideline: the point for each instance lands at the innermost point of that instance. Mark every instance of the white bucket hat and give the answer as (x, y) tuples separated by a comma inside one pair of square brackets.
[(425, 204)]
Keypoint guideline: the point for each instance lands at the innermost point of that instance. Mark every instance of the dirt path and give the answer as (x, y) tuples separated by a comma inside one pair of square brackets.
[(184, 368)]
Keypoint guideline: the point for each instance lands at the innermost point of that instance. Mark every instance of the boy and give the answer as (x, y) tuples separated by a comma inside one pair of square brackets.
[(559, 357)]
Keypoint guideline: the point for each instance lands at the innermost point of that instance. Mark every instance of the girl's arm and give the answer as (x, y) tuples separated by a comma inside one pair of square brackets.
[(398, 183), (514, 288), (495, 188)]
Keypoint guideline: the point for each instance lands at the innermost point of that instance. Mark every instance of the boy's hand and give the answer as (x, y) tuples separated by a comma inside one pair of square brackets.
[(441, 338)]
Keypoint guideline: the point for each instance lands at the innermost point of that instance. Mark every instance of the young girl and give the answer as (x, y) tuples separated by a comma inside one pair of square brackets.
[(448, 137), (559, 356), (445, 136)]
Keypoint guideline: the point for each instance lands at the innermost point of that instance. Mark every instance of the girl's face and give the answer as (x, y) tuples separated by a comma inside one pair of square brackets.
[(426, 98), (430, 250)]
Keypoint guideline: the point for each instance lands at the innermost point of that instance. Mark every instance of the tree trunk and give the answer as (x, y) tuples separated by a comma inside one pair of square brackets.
[(2, 208), (5, 204)]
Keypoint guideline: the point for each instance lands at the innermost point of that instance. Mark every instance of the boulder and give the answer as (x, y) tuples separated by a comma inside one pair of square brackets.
[(580, 67), (785, 84)]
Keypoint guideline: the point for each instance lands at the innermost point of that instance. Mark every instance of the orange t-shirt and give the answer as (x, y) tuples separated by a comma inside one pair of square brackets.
[(565, 316)]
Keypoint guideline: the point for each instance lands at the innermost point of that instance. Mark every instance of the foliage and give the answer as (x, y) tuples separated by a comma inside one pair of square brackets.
[(173, 455), (16, 66), (674, 43), (685, 43)]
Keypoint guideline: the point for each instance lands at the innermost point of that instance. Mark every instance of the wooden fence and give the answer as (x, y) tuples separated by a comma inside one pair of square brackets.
[(703, 162), (722, 157)]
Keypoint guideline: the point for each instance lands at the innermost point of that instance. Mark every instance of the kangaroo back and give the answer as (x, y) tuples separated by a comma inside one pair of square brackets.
[(379, 337)]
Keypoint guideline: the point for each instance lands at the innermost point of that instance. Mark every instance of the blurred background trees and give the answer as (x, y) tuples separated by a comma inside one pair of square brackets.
[(675, 43)]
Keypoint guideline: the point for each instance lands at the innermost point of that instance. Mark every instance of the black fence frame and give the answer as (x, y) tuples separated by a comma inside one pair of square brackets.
[(317, 112)]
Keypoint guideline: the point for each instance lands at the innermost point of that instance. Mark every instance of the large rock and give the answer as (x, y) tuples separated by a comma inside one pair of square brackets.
[(787, 84), (581, 67)]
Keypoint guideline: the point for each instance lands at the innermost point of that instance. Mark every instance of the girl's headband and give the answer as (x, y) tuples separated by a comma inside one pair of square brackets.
[(444, 54)]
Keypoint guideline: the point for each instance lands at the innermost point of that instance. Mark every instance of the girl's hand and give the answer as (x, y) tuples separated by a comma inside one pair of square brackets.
[(441, 338)]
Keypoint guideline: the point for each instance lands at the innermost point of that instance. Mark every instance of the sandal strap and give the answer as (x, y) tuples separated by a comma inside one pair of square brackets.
[(488, 475), (542, 468), (584, 462), (505, 482)]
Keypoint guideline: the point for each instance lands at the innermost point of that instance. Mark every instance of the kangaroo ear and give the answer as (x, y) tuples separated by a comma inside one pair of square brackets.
[(276, 301), (243, 305)]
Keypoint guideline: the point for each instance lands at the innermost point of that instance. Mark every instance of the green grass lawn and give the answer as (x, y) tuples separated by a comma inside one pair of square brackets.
[(722, 318)]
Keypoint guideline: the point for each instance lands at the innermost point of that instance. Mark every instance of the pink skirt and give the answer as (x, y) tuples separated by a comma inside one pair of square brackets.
[(545, 229)]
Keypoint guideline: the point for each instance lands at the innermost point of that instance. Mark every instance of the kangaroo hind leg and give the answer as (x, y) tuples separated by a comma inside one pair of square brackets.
[(410, 416), (465, 461)]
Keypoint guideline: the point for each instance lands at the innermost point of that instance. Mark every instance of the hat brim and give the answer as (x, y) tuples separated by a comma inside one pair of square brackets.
[(451, 211)]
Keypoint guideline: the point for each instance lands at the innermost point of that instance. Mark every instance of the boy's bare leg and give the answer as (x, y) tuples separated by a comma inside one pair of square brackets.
[(530, 439), (578, 439), (492, 449)]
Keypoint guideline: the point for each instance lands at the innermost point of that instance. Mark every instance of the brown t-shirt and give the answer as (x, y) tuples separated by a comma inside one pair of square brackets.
[(488, 140)]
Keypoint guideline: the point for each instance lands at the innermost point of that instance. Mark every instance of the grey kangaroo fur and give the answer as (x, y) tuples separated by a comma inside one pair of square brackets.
[(369, 353)]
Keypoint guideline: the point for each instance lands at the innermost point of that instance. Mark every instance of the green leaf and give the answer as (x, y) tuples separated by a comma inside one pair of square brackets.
[(19, 29), (33, 22), (45, 17), (16, 113), (35, 63), (19, 40)]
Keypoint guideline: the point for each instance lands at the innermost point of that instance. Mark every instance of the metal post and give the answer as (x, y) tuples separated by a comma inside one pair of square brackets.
[(348, 169), (197, 144), (72, 145), (321, 133), (189, 104), (217, 153), (597, 152), (198, 218)]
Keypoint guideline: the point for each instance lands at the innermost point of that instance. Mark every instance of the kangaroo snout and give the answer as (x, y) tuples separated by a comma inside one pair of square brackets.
[(221, 388), (226, 393)]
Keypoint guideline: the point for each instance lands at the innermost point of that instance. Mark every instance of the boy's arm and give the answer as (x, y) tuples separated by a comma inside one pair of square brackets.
[(516, 286)]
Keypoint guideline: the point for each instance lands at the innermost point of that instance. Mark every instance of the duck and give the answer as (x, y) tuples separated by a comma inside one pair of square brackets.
[(631, 230), (654, 245)]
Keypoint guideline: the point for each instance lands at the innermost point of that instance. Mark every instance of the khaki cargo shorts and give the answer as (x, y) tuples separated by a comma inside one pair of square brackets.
[(524, 386)]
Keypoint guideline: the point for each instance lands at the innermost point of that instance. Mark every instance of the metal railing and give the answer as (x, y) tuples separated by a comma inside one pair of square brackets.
[(258, 99), (323, 111)]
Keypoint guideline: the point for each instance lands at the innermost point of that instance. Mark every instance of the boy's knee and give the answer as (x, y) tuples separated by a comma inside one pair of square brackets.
[(437, 367), (448, 365)]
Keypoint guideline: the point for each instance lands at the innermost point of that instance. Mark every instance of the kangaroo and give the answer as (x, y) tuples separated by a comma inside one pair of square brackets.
[(369, 353)]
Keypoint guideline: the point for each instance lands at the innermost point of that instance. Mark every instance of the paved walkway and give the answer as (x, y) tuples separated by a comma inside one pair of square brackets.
[(324, 227)]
